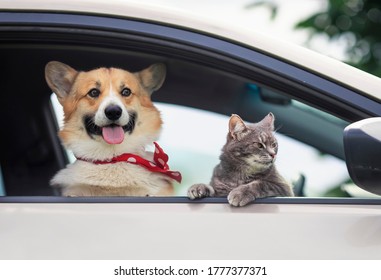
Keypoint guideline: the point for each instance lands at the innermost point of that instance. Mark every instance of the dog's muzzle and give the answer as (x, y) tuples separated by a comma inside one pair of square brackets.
[(112, 133)]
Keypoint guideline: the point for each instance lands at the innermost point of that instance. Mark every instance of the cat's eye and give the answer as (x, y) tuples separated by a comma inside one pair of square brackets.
[(126, 92), (274, 145), (94, 93), (259, 145)]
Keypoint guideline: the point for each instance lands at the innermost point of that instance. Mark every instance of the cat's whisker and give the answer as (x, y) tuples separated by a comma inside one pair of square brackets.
[(277, 128)]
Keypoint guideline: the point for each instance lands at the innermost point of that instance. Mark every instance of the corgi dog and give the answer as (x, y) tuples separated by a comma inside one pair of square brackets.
[(109, 121)]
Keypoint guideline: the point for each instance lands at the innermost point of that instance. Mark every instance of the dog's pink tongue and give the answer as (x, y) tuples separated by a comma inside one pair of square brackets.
[(113, 134)]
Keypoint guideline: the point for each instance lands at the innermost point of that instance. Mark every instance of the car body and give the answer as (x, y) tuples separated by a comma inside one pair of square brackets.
[(211, 67)]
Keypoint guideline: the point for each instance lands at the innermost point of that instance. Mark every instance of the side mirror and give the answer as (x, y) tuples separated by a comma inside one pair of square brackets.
[(362, 146)]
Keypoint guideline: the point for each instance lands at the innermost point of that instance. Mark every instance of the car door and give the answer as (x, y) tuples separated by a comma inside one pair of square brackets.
[(205, 71)]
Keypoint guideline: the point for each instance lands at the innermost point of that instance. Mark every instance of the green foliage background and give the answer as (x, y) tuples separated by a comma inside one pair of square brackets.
[(357, 22)]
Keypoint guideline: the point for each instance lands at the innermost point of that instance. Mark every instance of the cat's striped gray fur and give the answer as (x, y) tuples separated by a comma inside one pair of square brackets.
[(247, 165)]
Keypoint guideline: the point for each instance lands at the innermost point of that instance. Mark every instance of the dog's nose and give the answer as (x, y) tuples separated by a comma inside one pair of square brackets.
[(113, 112)]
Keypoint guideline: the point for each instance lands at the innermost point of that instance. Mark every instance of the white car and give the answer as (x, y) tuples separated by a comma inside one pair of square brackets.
[(213, 71)]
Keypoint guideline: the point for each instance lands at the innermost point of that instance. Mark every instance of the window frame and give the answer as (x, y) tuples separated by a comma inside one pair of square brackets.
[(193, 46)]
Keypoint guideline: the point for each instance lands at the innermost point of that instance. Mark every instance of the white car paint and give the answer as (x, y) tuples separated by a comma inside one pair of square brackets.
[(189, 231)]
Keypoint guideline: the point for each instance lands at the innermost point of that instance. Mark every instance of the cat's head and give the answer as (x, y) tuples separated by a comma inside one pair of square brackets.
[(252, 144)]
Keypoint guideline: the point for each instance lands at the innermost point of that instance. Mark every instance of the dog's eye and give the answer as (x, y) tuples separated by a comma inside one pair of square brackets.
[(94, 93), (126, 92)]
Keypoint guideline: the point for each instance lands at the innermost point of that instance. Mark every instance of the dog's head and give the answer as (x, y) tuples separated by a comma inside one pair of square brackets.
[(107, 111)]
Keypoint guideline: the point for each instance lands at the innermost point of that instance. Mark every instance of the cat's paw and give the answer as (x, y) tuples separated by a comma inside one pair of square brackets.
[(200, 190), (240, 197)]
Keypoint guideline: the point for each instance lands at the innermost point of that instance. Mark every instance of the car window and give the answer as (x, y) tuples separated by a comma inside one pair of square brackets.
[(217, 76), (193, 139)]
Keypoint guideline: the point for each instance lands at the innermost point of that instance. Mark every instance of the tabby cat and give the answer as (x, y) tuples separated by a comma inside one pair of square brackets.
[(246, 170)]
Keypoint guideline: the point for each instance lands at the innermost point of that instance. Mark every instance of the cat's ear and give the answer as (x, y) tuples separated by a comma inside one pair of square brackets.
[(237, 127), (268, 121)]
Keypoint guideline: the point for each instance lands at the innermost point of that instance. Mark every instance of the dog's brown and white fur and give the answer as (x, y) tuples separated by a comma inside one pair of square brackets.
[(108, 112)]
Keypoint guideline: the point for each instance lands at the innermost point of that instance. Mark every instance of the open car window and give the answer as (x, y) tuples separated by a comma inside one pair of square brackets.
[(208, 79), (193, 138)]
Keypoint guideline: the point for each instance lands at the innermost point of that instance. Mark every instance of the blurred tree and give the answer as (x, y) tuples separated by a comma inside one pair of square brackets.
[(270, 4), (358, 22)]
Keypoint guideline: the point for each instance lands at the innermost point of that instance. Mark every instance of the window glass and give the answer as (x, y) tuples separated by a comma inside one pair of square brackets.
[(2, 189)]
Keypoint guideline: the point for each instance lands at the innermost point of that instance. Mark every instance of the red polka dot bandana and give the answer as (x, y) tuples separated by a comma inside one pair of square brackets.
[(159, 165)]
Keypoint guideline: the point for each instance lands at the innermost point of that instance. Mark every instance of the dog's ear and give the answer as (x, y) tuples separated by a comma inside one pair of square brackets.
[(60, 78), (152, 78)]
